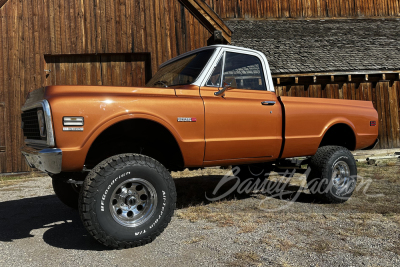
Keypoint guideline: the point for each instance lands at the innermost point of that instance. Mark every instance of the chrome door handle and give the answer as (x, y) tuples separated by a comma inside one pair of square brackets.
[(268, 103)]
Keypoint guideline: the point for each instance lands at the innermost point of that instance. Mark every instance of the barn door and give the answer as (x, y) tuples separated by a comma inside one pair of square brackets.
[(2, 139), (125, 69)]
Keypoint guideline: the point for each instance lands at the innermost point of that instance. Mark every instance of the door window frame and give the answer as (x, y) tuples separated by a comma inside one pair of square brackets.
[(222, 57), (261, 71), (212, 64)]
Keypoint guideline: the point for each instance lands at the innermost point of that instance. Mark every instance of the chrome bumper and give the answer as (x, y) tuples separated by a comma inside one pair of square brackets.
[(47, 160)]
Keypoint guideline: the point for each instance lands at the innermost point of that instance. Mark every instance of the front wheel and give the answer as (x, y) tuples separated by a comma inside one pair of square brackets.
[(127, 200), (333, 175)]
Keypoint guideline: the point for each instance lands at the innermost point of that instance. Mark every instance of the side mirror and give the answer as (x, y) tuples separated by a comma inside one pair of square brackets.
[(229, 83)]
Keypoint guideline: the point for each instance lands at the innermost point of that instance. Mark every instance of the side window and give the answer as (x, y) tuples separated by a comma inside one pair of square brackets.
[(215, 79), (245, 69)]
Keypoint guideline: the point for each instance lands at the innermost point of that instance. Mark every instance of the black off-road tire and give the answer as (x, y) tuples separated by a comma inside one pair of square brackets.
[(96, 205), (320, 181), (67, 193)]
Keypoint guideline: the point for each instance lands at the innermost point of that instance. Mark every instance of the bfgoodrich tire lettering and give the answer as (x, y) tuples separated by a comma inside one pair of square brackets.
[(100, 190)]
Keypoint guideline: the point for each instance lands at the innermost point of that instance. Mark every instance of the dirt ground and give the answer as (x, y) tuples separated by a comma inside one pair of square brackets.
[(291, 228)]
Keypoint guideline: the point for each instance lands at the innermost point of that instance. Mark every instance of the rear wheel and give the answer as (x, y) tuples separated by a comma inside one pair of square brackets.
[(333, 175), (127, 200)]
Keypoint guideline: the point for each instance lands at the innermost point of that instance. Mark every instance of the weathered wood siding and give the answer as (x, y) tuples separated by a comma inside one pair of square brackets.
[(385, 98), (272, 9), (122, 69), (30, 29)]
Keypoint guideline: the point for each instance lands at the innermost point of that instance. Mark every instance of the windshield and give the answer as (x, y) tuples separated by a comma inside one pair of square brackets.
[(181, 72)]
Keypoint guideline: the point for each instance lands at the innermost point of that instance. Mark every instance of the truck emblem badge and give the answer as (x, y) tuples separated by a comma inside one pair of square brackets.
[(73, 129), (185, 119)]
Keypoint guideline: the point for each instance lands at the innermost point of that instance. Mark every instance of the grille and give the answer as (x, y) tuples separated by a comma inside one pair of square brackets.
[(31, 124)]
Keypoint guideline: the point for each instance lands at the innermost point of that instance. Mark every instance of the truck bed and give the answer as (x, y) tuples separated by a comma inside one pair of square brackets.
[(306, 120)]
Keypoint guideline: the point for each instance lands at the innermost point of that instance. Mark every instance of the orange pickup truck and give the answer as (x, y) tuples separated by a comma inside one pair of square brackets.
[(110, 150)]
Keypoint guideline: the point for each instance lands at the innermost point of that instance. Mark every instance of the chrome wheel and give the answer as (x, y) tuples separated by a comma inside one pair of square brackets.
[(133, 202), (341, 178)]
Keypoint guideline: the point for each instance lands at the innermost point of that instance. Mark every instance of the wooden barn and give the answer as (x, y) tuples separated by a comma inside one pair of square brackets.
[(91, 42), (316, 48)]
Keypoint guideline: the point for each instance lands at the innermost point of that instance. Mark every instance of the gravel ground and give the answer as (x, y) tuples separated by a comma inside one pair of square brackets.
[(38, 230)]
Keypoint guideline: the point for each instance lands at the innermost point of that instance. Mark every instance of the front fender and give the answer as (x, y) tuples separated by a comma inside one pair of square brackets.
[(110, 122), (74, 157), (102, 110)]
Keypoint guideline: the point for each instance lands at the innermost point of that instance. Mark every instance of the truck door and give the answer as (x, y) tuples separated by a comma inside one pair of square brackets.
[(246, 121)]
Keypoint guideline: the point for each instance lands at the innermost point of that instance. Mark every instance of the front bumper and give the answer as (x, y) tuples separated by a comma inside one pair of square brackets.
[(47, 160)]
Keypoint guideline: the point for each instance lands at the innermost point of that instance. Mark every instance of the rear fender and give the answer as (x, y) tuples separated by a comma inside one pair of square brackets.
[(336, 121)]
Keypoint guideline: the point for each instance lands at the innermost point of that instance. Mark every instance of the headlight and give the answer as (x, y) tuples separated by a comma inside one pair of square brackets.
[(42, 124), (73, 121)]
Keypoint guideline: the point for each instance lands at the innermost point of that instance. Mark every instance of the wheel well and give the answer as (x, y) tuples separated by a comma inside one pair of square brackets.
[(136, 136), (339, 135)]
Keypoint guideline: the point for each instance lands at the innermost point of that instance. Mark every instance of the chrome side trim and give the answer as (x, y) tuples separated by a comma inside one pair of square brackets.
[(49, 123), (47, 160)]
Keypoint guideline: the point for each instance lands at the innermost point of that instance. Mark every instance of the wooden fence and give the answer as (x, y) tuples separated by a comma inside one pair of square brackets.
[(385, 98), (273, 9)]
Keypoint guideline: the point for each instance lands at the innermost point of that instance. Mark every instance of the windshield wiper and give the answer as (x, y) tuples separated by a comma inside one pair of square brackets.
[(161, 82)]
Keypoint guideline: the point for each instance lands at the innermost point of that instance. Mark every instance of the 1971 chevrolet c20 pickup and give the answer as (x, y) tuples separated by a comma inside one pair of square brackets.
[(110, 150)]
